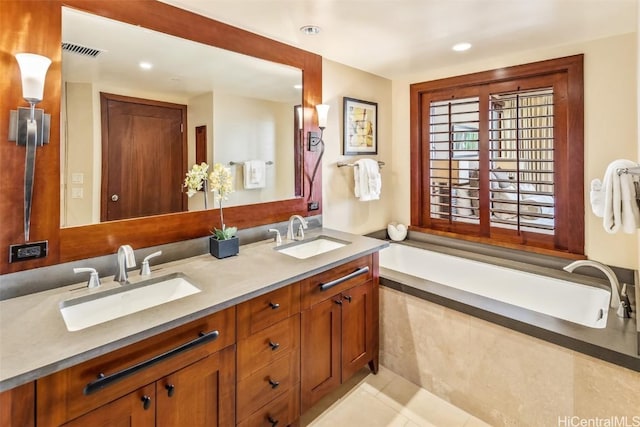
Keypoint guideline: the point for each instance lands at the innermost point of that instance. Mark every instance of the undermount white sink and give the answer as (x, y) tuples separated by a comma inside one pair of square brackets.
[(311, 247), (90, 310)]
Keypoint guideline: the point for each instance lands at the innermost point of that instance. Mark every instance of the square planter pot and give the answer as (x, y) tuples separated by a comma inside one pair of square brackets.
[(223, 248)]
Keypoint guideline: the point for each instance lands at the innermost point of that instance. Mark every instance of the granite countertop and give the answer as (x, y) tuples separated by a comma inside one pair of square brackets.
[(34, 340)]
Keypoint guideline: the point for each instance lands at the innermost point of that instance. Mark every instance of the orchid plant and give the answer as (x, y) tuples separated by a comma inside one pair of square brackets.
[(196, 180), (220, 182)]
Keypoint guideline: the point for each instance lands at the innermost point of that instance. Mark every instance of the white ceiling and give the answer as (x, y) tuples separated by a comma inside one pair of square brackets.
[(392, 38)]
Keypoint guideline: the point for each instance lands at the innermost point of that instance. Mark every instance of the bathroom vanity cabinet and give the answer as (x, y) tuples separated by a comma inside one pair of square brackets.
[(262, 362), (139, 383), (339, 327)]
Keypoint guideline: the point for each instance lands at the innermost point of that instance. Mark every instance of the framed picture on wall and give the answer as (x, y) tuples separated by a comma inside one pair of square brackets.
[(360, 127)]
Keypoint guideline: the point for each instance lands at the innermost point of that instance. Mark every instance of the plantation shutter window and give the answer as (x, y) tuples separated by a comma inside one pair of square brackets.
[(502, 159)]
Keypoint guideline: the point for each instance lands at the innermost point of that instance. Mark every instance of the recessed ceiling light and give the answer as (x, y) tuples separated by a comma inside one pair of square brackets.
[(146, 65), (461, 47), (310, 30)]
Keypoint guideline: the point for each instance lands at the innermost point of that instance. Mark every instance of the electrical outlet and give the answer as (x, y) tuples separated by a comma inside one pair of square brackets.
[(28, 251), (314, 140), (313, 206)]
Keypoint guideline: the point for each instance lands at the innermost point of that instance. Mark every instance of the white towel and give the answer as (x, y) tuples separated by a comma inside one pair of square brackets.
[(620, 207), (254, 174), (596, 196), (368, 181)]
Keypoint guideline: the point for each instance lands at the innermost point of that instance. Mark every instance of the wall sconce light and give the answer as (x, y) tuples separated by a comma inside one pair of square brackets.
[(315, 140), (29, 127)]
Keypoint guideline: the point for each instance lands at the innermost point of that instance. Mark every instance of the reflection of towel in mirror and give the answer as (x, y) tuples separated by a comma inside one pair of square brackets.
[(368, 181), (254, 174), (596, 197), (620, 207)]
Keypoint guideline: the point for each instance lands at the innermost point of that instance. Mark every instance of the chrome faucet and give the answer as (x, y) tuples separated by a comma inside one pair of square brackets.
[(303, 225), (613, 280), (126, 259)]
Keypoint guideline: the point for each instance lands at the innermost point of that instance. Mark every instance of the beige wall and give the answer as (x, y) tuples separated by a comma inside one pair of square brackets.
[(255, 129), (501, 376), (610, 127), (341, 210)]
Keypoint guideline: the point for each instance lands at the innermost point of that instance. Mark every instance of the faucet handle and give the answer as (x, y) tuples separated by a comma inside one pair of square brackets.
[(300, 233), (277, 238), (94, 279), (146, 270)]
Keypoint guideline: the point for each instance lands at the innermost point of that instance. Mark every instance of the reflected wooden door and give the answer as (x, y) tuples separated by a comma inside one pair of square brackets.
[(144, 152)]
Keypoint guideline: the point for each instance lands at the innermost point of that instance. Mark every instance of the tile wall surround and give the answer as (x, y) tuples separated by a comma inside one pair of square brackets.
[(41, 279), (496, 374)]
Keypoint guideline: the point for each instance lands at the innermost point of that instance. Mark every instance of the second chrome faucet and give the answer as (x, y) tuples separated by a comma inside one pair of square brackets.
[(299, 235)]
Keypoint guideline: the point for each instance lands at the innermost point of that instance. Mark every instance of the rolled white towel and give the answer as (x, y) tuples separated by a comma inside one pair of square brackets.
[(596, 197), (620, 207)]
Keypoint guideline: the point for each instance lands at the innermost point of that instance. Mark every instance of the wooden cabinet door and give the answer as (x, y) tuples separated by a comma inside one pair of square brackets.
[(357, 328), (136, 409), (202, 394), (320, 346), (18, 406)]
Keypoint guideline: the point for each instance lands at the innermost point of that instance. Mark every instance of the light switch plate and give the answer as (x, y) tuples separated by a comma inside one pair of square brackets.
[(77, 178)]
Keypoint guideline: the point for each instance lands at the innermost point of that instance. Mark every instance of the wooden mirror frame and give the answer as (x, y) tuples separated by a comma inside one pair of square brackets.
[(35, 26)]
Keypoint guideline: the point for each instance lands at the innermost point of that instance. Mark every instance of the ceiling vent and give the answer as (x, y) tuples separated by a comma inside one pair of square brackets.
[(81, 50)]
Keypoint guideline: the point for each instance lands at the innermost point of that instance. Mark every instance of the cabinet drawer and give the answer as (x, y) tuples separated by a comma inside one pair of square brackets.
[(72, 392), (268, 345), (325, 285), (282, 411), (266, 310), (267, 384)]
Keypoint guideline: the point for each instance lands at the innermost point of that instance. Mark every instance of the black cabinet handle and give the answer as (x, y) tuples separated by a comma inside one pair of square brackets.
[(170, 389), (273, 421), (274, 345), (146, 402), (331, 284), (347, 297), (274, 305), (337, 301), (105, 380), (274, 384)]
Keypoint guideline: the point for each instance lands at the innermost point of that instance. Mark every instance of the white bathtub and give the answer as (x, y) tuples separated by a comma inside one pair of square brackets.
[(575, 302)]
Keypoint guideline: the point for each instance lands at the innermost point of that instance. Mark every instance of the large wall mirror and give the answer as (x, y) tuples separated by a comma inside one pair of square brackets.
[(139, 107), (37, 27)]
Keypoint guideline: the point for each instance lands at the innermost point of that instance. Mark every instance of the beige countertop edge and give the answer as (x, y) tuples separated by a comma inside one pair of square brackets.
[(34, 341)]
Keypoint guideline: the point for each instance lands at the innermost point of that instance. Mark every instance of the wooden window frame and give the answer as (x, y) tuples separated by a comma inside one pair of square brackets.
[(568, 240)]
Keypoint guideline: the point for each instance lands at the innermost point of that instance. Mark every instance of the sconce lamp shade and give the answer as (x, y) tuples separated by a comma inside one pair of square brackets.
[(300, 118), (323, 111), (33, 69)]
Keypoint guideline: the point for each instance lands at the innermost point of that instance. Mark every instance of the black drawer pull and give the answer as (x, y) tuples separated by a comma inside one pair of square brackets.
[(274, 305), (274, 345), (146, 402), (273, 421), (331, 284), (171, 389), (347, 297), (105, 380), (337, 301), (274, 384)]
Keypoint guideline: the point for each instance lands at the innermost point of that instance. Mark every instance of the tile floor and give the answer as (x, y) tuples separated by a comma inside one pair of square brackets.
[(385, 400)]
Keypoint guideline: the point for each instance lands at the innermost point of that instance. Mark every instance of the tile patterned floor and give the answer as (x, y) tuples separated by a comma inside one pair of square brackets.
[(385, 400)]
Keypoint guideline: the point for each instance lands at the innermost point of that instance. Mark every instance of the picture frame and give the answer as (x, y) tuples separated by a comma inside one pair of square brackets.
[(360, 127)]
